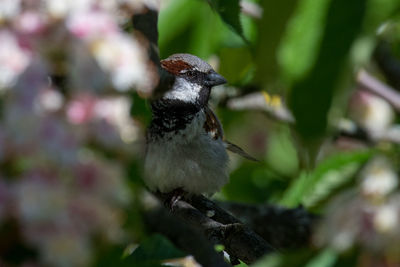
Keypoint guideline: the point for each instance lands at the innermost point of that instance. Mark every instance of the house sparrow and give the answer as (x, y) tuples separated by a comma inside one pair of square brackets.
[(186, 149)]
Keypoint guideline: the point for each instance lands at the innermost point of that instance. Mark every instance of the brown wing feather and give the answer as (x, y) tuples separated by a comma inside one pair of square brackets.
[(238, 150), (214, 127), (212, 124)]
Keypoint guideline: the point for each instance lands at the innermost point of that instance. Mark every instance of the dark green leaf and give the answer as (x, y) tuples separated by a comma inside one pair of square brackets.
[(378, 11), (311, 97), (154, 250), (140, 109), (253, 185), (111, 256), (189, 26), (271, 28), (229, 10)]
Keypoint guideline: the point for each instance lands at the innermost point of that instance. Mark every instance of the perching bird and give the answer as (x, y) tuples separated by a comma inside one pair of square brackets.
[(186, 149)]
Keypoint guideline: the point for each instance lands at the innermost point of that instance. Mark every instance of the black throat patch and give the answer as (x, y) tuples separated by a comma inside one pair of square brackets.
[(171, 115)]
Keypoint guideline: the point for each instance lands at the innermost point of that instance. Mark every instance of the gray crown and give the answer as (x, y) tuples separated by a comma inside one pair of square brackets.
[(193, 61)]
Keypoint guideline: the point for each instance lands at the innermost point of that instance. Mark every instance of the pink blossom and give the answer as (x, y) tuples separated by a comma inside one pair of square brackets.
[(91, 23), (30, 22), (80, 110), (62, 192)]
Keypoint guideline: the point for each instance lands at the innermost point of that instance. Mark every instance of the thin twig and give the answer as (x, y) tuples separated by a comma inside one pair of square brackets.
[(373, 85), (259, 101), (388, 63)]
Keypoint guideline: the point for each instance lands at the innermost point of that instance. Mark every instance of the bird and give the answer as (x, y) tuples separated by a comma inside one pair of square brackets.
[(186, 151)]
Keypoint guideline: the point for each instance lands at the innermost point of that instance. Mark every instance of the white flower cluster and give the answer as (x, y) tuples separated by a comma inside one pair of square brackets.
[(26, 25), (369, 217), (13, 59), (372, 113), (62, 194), (56, 187)]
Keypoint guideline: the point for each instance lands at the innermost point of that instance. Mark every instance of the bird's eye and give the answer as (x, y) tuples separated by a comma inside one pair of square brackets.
[(190, 73)]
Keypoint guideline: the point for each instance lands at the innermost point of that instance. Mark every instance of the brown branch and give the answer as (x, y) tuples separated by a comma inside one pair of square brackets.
[(219, 227), (145, 24), (184, 236), (259, 229), (281, 227), (350, 129)]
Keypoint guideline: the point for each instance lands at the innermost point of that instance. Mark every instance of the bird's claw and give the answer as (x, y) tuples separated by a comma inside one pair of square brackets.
[(173, 198)]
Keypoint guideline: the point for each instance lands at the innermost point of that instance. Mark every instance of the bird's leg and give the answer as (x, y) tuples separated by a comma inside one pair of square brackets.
[(176, 196), (173, 197)]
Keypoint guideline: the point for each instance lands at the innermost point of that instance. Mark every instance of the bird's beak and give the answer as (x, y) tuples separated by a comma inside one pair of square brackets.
[(214, 79)]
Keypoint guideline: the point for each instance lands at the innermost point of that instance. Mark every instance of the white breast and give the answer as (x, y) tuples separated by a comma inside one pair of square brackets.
[(191, 160)]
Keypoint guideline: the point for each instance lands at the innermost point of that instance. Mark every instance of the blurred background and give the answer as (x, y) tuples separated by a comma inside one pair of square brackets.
[(313, 92)]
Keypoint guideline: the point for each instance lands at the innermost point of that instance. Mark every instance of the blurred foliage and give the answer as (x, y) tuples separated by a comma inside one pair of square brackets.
[(71, 192), (306, 51), (342, 24), (310, 188)]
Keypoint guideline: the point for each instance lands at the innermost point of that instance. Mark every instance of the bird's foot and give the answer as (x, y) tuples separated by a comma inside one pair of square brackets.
[(173, 197)]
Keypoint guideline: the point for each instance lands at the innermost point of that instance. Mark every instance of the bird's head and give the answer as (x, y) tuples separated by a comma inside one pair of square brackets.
[(194, 78)]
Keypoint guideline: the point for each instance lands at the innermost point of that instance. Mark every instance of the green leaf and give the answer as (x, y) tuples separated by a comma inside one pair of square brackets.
[(219, 247), (378, 11), (311, 97), (188, 26), (229, 10), (285, 259), (140, 109), (271, 28), (273, 260), (304, 33), (235, 64), (153, 251), (253, 185), (241, 264), (281, 153), (325, 258), (334, 171), (174, 19), (110, 256)]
